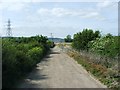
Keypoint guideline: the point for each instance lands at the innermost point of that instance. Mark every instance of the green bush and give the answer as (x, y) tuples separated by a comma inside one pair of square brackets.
[(50, 44), (20, 56), (108, 48), (36, 54), (81, 39), (23, 62), (105, 46), (9, 64)]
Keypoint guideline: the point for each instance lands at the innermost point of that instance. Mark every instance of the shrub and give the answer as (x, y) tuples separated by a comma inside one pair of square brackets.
[(19, 56), (9, 62), (36, 54), (23, 62), (81, 39)]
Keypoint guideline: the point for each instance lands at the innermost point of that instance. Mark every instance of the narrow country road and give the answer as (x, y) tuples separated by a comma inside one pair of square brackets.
[(57, 70)]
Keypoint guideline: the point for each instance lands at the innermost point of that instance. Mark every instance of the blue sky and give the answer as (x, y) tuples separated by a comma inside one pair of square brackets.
[(60, 18)]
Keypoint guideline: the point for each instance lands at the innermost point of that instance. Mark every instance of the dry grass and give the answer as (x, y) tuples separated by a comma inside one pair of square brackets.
[(104, 74)]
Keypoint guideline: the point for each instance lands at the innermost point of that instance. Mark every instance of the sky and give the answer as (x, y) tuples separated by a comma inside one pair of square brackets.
[(38, 17)]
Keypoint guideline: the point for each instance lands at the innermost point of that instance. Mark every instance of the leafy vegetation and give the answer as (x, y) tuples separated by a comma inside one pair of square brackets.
[(20, 55), (51, 44), (107, 46), (98, 54), (81, 39), (68, 38)]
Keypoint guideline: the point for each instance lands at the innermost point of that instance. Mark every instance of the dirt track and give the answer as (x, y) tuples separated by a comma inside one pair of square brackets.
[(58, 70)]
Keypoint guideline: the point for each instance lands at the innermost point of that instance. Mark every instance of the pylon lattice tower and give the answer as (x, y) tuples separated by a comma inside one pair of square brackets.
[(9, 31)]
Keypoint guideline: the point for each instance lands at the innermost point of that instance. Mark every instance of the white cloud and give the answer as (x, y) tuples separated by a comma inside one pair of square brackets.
[(55, 11), (59, 12), (17, 7), (56, 0), (72, 0), (62, 12), (43, 11), (92, 14), (17, 1), (105, 4), (14, 5)]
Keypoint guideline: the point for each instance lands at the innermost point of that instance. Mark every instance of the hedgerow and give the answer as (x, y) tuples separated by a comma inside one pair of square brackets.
[(20, 55)]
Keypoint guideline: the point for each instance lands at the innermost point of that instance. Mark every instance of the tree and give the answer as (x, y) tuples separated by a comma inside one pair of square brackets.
[(108, 35), (81, 39), (68, 38)]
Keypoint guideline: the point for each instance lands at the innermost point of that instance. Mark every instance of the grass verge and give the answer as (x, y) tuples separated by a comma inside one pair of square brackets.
[(103, 74)]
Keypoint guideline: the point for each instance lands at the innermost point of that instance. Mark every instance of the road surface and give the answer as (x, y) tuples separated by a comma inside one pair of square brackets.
[(58, 70)]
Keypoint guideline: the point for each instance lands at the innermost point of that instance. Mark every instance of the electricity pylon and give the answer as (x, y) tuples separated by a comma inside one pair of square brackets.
[(9, 31)]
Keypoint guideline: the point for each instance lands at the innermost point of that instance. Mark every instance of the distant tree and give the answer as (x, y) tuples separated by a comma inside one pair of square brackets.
[(97, 34), (68, 38), (108, 35)]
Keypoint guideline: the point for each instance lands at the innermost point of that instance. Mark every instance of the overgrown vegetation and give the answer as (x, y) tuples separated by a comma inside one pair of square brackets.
[(20, 55), (106, 46), (106, 75), (98, 54)]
